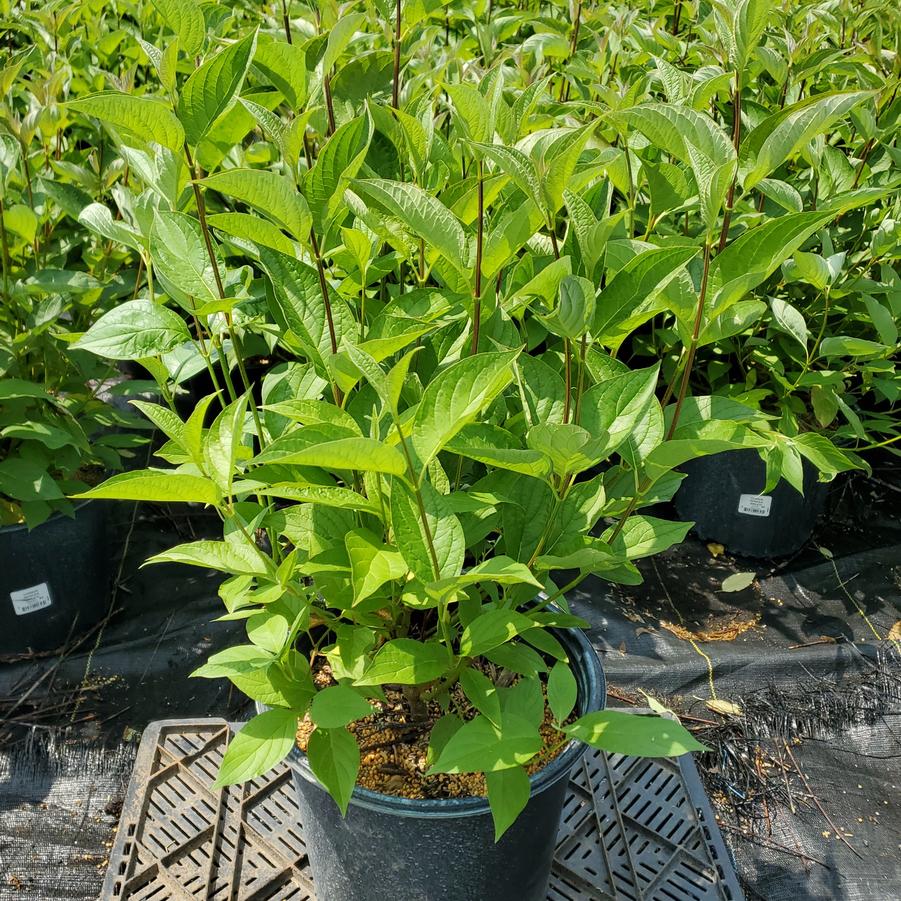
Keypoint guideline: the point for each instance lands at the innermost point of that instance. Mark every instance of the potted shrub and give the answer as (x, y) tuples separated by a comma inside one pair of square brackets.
[(452, 444), (56, 435), (819, 360), (804, 350)]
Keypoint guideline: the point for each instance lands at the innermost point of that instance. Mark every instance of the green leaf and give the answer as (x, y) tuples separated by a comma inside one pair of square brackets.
[(695, 139), (133, 330), (783, 134), (405, 661), (820, 451), (247, 227), (239, 660), (473, 109), (479, 746), (753, 257), (99, 219), (562, 691), (158, 486), (749, 21), (213, 87), (12, 389), (492, 628), (50, 436), (644, 536), (335, 761), (285, 66), (515, 164), (339, 37), (456, 396), (518, 658), (372, 564), (262, 743), (141, 117), (499, 569), (337, 498), (221, 444), (570, 448), (185, 18), (338, 162), (738, 581), (361, 454), (613, 408), (225, 556), (268, 192), (298, 295), (782, 193), (847, 346), (575, 309), (508, 794), (496, 447), (338, 705), (179, 254), (448, 540), (278, 685), (633, 294), (633, 735), (426, 216), (441, 733), (482, 694), (790, 320)]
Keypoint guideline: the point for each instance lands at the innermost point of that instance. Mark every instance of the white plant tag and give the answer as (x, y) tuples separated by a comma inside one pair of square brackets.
[(28, 600), (755, 504)]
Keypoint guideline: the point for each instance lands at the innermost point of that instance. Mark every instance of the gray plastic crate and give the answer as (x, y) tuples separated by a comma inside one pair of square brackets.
[(632, 830)]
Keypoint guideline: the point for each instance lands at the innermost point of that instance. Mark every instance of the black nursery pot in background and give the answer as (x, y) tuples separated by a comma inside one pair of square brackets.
[(389, 848), (721, 494), (54, 579)]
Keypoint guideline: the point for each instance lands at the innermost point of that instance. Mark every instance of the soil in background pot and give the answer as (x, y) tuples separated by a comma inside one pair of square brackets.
[(721, 495)]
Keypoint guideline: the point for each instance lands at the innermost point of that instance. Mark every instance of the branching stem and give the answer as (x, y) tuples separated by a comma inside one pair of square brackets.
[(477, 276)]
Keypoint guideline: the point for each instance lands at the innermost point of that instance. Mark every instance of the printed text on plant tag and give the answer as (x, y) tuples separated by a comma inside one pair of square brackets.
[(755, 504), (27, 600)]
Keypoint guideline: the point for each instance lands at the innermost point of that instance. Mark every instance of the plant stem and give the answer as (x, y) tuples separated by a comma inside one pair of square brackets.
[(583, 350), (554, 241), (420, 503), (632, 189), (477, 276), (677, 14), (577, 22), (286, 22), (229, 320), (395, 87), (4, 242), (323, 287), (865, 155), (693, 345), (736, 142), (329, 105), (567, 366), (683, 388), (816, 344)]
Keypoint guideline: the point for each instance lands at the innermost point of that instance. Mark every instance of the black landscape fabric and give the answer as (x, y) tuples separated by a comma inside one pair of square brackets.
[(785, 680)]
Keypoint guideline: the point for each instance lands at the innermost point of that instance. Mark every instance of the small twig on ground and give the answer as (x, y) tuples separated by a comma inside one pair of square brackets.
[(775, 846), (819, 806)]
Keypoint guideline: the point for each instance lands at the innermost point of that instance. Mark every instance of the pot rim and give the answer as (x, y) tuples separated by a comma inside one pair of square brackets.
[(22, 526), (587, 662)]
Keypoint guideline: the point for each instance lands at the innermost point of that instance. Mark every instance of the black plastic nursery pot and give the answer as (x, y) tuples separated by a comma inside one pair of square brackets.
[(389, 848), (721, 494), (54, 579)]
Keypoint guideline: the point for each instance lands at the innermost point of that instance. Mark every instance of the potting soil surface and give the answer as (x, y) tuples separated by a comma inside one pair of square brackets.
[(794, 682)]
